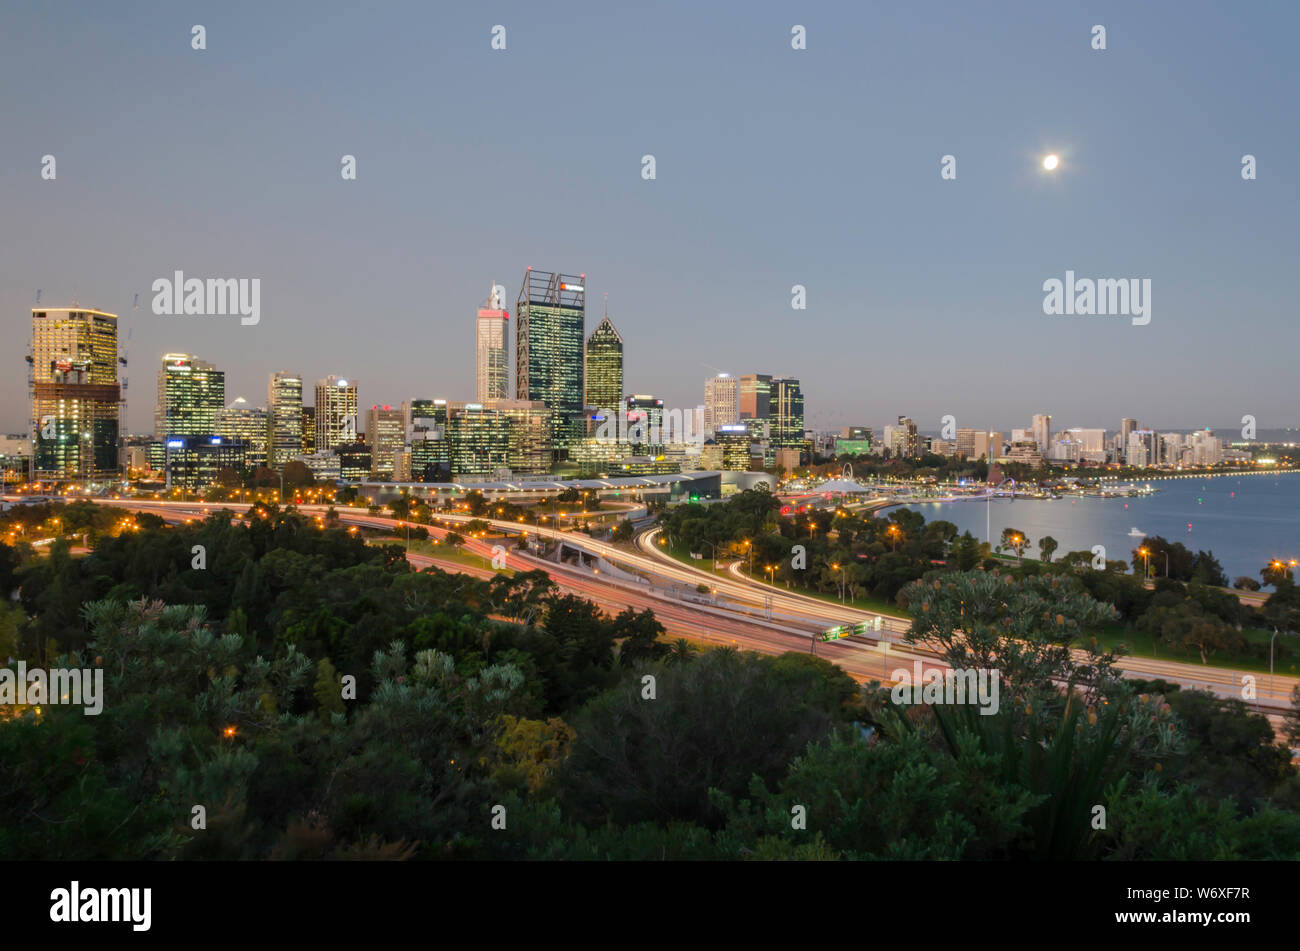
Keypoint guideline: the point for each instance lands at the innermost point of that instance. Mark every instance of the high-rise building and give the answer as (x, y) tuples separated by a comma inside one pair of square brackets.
[(336, 412), (492, 329), (529, 446), (480, 440), (733, 438), (755, 391), (386, 437), (1042, 426), (721, 402), (1126, 428), (904, 440), (308, 430), (427, 440), (284, 418), (549, 352), (604, 370), (248, 426), (645, 423), (191, 392), (75, 393), (786, 413)]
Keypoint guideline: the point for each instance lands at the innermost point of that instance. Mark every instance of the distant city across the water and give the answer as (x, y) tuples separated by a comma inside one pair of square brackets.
[(1244, 520)]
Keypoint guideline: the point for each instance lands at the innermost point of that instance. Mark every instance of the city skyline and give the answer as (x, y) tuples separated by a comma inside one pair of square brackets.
[(894, 259)]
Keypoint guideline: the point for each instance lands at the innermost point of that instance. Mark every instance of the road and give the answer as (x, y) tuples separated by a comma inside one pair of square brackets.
[(737, 613)]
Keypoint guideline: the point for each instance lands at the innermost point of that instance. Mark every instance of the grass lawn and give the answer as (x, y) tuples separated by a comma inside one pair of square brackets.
[(1286, 656), (443, 551)]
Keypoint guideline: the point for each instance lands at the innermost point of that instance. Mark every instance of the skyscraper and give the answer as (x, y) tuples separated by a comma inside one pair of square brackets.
[(244, 424), (604, 370), (904, 442), (550, 315), (492, 328), (336, 412), (75, 393), (1043, 432), (755, 392), (1126, 428), (386, 437), (786, 414), (191, 392), (284, 418), (721, 402)]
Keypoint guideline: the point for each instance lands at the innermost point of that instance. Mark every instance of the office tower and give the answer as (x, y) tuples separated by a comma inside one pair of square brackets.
[(284, 418), (644, 423), (904, 442), (386, 437), (549, 352), (248, 426), (721, 402), (1206, 448), (966, 443), (426, 440), (529, 447), (308, 430), (354, 460), (1042, 426), (193, 462), (1126, 428), (336, 412), (786, 413), (989, 445), (191, 392), (75, 393), (480, 440), (754, 395), (492, 328), (733, 438), (1143, 448), (604, 370)]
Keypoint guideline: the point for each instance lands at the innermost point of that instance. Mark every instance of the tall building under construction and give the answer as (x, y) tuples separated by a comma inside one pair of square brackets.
[(75, 394)]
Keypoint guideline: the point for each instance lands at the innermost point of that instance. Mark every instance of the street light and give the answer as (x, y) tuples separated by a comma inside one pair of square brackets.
[(835, 566), (1147, 555), (893, 532)]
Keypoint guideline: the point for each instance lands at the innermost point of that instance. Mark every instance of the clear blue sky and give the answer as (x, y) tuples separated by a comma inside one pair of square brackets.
[(775, 167)]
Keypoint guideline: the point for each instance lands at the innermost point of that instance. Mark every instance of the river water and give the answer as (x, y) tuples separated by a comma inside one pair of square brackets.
[(1244, 520)]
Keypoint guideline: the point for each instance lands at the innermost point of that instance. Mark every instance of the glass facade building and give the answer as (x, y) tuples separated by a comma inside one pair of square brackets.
[(550, 319)]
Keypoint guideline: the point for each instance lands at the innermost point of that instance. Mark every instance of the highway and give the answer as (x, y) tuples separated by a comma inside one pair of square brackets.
[(737, 613)]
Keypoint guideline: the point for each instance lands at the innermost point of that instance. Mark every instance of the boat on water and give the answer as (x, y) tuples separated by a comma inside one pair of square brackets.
[(1136, 532)]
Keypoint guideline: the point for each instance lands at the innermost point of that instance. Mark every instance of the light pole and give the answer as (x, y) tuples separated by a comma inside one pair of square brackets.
[(1270, 669), (835, 566), (1147, 556)]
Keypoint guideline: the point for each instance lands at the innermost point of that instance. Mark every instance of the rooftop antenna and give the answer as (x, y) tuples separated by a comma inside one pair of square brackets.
[(607, 303)]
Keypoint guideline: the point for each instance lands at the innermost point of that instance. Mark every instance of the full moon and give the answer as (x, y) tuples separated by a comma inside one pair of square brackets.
[(1051, 162)]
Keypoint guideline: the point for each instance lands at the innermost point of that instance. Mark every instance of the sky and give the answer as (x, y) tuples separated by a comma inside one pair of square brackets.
[(773, 167)]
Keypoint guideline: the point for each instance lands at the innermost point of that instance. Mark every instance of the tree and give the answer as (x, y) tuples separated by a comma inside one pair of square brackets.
[(1047, 545), (716, 723), (1013, 539), (1275, 572), (328, 690), (1024, 628), (454, 539), (1246, 583)]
